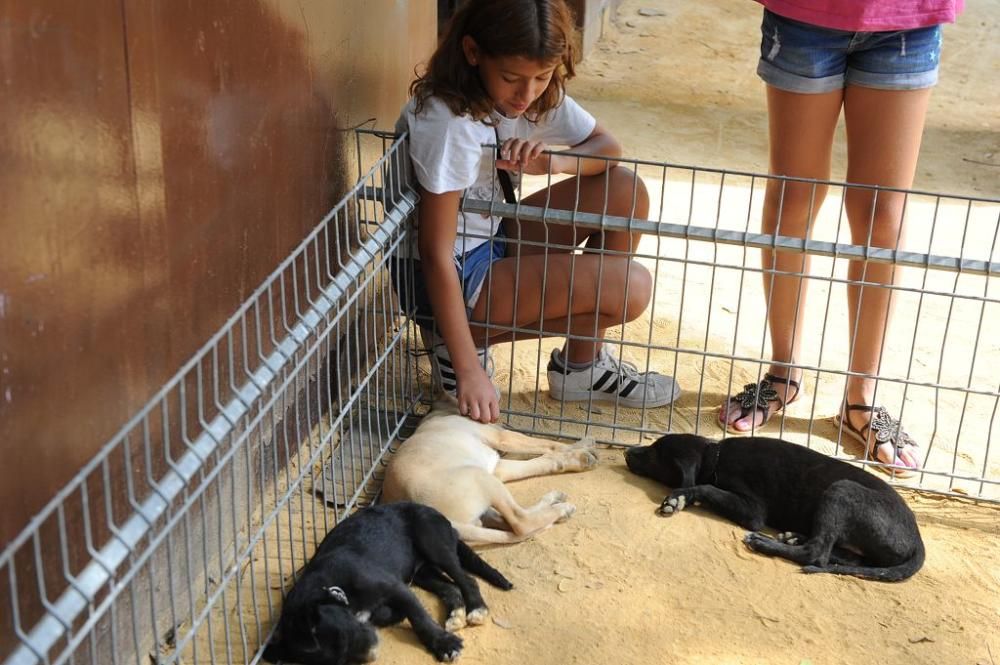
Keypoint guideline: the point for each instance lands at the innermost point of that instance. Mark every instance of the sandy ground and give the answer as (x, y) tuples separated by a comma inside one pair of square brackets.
[(616, 584)]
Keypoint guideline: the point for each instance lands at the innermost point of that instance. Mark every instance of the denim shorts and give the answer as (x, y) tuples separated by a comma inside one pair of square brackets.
[(472, 267), (799, 57)]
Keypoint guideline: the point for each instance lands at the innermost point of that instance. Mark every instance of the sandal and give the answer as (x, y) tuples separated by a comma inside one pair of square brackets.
[(758, 397), (882, 428)]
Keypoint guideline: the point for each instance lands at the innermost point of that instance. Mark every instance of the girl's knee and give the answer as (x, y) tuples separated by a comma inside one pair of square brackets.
[(628, 193), (640, 291)]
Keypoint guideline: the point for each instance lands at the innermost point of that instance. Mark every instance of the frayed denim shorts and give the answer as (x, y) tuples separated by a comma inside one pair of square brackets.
[(473, 268), (799, 57)]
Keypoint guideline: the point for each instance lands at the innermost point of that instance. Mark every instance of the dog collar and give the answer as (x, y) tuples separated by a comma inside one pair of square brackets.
[(714, 461)]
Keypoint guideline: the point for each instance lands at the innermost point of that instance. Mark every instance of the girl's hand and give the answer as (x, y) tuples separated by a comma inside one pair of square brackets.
[(477, 398), (521, 155)]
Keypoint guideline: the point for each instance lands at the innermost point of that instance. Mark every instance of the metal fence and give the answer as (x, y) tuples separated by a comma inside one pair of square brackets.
[(706, 324), (175, 543)]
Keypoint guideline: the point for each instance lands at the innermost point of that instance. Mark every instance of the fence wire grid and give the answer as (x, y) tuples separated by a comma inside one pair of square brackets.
[(176, 542)]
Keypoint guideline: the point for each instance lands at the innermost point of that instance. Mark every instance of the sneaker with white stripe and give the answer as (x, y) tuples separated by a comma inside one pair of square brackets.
[(443, 371), (610, 380)]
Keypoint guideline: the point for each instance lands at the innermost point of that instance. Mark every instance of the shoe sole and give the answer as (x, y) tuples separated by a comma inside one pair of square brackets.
[(897, 471)]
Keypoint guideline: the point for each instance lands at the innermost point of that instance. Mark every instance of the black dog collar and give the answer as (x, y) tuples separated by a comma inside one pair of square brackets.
[(712, 462)]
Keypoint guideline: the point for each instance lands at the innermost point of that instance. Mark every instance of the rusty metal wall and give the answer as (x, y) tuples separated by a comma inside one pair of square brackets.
[(157, 160)]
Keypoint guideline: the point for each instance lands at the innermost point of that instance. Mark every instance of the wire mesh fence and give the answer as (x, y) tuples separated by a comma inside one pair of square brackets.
[(714, 276), (175, 543)]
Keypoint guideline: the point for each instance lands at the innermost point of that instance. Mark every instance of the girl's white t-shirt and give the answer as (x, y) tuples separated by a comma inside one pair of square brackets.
[(452, 153)]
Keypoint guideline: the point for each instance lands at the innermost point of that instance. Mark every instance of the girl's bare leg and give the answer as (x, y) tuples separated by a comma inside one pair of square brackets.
[(801, 128), (884, 130)]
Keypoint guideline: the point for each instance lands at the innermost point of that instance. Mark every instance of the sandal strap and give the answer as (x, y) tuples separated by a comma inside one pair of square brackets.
[(757, 396), (885, 428), (788, 381)]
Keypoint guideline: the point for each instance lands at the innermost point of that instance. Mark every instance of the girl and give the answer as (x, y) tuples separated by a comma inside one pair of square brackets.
[(876, 59), (497, 78)]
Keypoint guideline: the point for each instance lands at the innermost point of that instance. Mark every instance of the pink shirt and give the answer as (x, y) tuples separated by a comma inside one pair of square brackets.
[(868, 15)]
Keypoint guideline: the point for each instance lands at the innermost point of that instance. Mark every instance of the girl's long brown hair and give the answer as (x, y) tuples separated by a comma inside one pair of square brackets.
[(539, 30)]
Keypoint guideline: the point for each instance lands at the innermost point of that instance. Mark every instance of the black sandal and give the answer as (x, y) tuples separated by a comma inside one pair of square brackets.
[(881, 428), (758, 397)]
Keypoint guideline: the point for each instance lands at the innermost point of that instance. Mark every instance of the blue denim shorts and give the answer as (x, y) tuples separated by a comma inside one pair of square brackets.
[(799, 57), (472, 267)]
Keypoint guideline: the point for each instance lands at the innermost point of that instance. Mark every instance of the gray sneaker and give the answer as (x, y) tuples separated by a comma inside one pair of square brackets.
[(610, 380), (442, 371)]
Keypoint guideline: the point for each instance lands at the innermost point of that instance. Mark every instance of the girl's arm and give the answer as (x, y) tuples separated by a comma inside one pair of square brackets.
[(436, 241), (527, 155)]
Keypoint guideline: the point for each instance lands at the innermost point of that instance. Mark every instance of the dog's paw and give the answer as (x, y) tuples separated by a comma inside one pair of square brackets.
[(566, 511), (791, 538), (446, 647), (478, 616), (674, 503), (584, 460), (457, 620), (554, 497), (757, 541), (585, 443)]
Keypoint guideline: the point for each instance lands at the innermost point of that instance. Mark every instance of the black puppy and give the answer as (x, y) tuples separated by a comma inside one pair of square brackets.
[(359, 577), (853, 523)]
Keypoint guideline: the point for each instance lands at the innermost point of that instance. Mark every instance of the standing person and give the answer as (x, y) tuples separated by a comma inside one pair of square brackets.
[(876, 59), (497, 78)]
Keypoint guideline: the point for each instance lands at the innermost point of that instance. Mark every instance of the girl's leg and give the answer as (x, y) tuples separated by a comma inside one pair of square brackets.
[(801, 128), (560, 294), (617, 290), (884, 129), (547, 287)]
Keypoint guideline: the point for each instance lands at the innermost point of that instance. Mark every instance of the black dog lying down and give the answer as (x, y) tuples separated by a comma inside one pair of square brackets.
[(359, 576), (835, 517)]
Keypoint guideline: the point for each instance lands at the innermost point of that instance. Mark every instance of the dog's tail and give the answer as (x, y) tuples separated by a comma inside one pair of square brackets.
[(475, 564), (895, 573)]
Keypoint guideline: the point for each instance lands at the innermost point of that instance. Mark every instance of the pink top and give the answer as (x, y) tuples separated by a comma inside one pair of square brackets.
[(868, 15)]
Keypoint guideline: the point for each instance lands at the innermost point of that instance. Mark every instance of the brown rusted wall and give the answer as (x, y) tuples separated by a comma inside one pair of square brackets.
[(157, 160)]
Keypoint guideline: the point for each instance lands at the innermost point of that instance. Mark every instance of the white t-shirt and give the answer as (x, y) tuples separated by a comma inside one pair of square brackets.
[(450, 153)]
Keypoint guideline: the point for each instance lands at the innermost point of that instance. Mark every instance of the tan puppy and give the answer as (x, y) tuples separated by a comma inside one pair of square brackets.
[(451, 463)]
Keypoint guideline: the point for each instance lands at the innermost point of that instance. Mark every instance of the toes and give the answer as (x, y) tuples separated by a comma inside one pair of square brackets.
[(477, 617), (554, 497), (456, 620), (585, 459), (566, 511), (727, 415), (447, 647), (672, 504), (747, 423), (886, 453), (789, 538), (753, 539)]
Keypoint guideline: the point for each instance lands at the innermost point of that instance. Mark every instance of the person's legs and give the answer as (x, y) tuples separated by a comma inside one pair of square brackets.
[(546, 286), (619, 193), (801, 128), (884, 129)]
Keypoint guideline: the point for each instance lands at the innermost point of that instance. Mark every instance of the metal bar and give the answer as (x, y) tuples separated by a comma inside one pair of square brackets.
[(731, 237)]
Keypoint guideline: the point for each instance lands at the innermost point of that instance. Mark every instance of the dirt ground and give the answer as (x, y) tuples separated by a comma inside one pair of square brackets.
[(616, 584)]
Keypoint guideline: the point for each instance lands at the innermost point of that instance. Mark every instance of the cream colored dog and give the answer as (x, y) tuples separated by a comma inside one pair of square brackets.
[(452, 463)]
